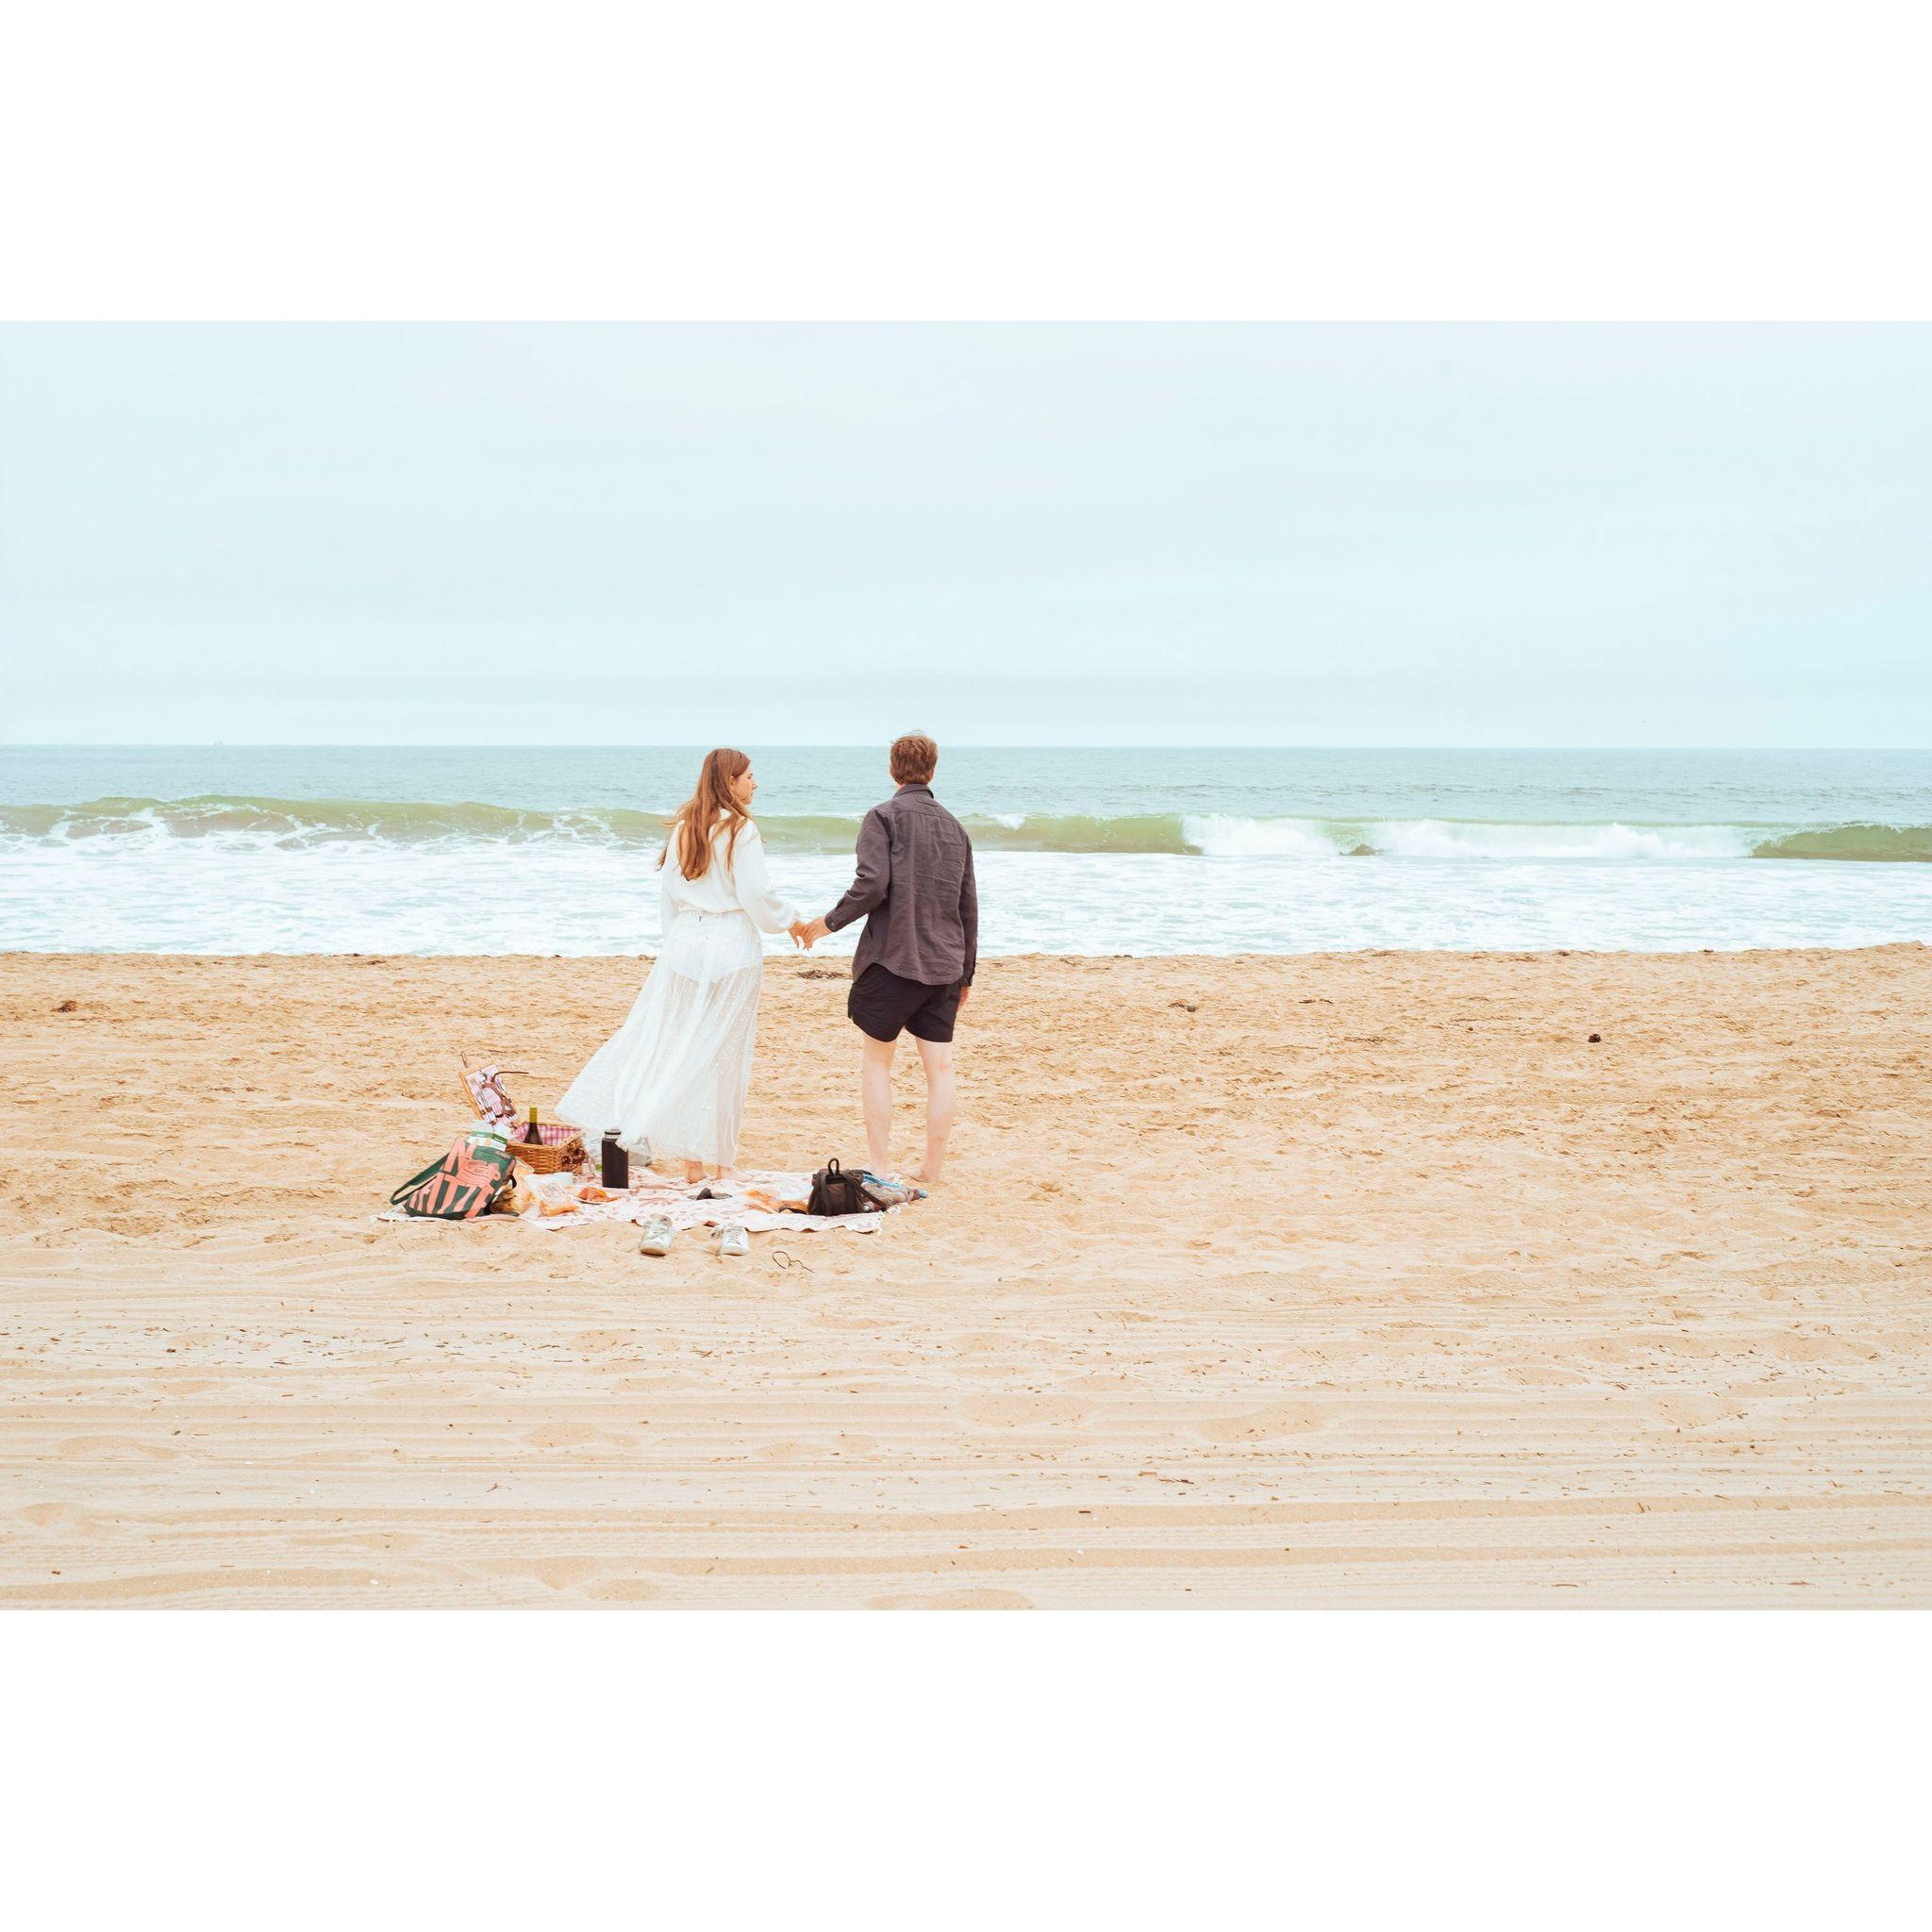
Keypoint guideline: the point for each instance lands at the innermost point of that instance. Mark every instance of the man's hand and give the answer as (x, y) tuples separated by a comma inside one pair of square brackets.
[(809, 932), (966, 987)]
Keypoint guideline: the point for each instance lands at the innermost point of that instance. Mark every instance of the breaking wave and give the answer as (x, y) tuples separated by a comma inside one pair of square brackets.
[(299, 824)]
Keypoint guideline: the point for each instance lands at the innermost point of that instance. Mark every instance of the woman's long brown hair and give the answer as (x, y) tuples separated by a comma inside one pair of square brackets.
[(701, 814)]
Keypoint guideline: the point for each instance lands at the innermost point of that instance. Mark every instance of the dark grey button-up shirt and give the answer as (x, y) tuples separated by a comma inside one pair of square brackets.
[(915, 891)]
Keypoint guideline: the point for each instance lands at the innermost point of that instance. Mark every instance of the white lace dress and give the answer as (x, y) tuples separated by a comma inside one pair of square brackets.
[(673, 1076)]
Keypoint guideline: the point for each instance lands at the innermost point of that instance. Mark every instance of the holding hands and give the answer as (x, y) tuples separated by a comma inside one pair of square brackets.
[(807, 932)]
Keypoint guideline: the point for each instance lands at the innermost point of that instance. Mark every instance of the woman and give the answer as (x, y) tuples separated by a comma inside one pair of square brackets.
[(673, 1076)]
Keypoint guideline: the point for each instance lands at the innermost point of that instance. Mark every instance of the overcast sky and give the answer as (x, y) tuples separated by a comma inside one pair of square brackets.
[(1106, 534)]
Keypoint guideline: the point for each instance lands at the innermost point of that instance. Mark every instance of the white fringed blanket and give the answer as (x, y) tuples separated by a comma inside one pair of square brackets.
[(733, 1201)]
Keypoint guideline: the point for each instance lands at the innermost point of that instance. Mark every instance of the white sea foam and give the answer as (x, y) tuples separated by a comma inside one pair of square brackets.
[(205, 895), (1447, 839), (1220, 836)]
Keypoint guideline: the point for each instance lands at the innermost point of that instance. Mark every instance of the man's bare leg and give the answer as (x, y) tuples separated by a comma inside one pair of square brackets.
[(936, 1057), (875, 1091)]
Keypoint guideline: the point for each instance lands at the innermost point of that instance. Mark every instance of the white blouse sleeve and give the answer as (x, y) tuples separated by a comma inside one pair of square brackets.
[(667, 906), (753, 884)]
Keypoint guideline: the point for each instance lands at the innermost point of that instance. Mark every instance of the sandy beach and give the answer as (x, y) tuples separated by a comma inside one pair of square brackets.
[(1361, 1280)]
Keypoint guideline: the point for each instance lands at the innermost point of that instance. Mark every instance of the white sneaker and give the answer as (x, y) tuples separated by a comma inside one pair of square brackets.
[(656, 1235), (734, 1244)]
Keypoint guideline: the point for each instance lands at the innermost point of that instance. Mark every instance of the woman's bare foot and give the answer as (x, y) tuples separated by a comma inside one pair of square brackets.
[(694, 1173), (927, 1173)]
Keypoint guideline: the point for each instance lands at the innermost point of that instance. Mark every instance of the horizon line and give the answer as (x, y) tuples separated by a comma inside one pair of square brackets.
[(868, 744)]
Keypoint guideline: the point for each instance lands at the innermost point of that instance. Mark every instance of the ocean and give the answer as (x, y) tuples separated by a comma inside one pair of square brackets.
[(320, 849)]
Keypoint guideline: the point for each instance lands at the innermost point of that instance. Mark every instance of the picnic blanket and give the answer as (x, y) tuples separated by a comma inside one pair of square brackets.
[(740, 1201)]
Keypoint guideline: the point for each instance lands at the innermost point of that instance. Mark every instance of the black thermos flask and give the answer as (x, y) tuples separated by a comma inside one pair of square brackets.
[(616, 1162)]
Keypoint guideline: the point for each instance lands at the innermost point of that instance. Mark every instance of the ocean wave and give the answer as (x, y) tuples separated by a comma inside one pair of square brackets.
[(292, 823), (1448, 839), (285, 823), (1245, 838), (1072, 832), (1869, 844), (1219, 835)]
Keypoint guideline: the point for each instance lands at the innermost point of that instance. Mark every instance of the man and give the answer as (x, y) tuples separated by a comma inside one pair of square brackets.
[(914, 966)]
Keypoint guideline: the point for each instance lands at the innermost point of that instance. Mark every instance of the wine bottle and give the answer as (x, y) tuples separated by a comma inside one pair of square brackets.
[(533, 1134)]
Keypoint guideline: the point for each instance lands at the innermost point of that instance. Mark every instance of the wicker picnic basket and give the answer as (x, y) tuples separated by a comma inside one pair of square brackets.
[(557, 1145)]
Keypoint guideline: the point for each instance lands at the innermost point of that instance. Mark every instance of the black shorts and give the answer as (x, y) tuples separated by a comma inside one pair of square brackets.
[(881, 1003)]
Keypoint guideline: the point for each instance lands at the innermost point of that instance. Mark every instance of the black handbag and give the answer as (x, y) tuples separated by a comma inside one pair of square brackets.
[(835, 1192)]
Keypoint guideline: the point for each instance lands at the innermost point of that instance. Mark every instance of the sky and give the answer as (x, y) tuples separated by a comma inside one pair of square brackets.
[(1052, 534)]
